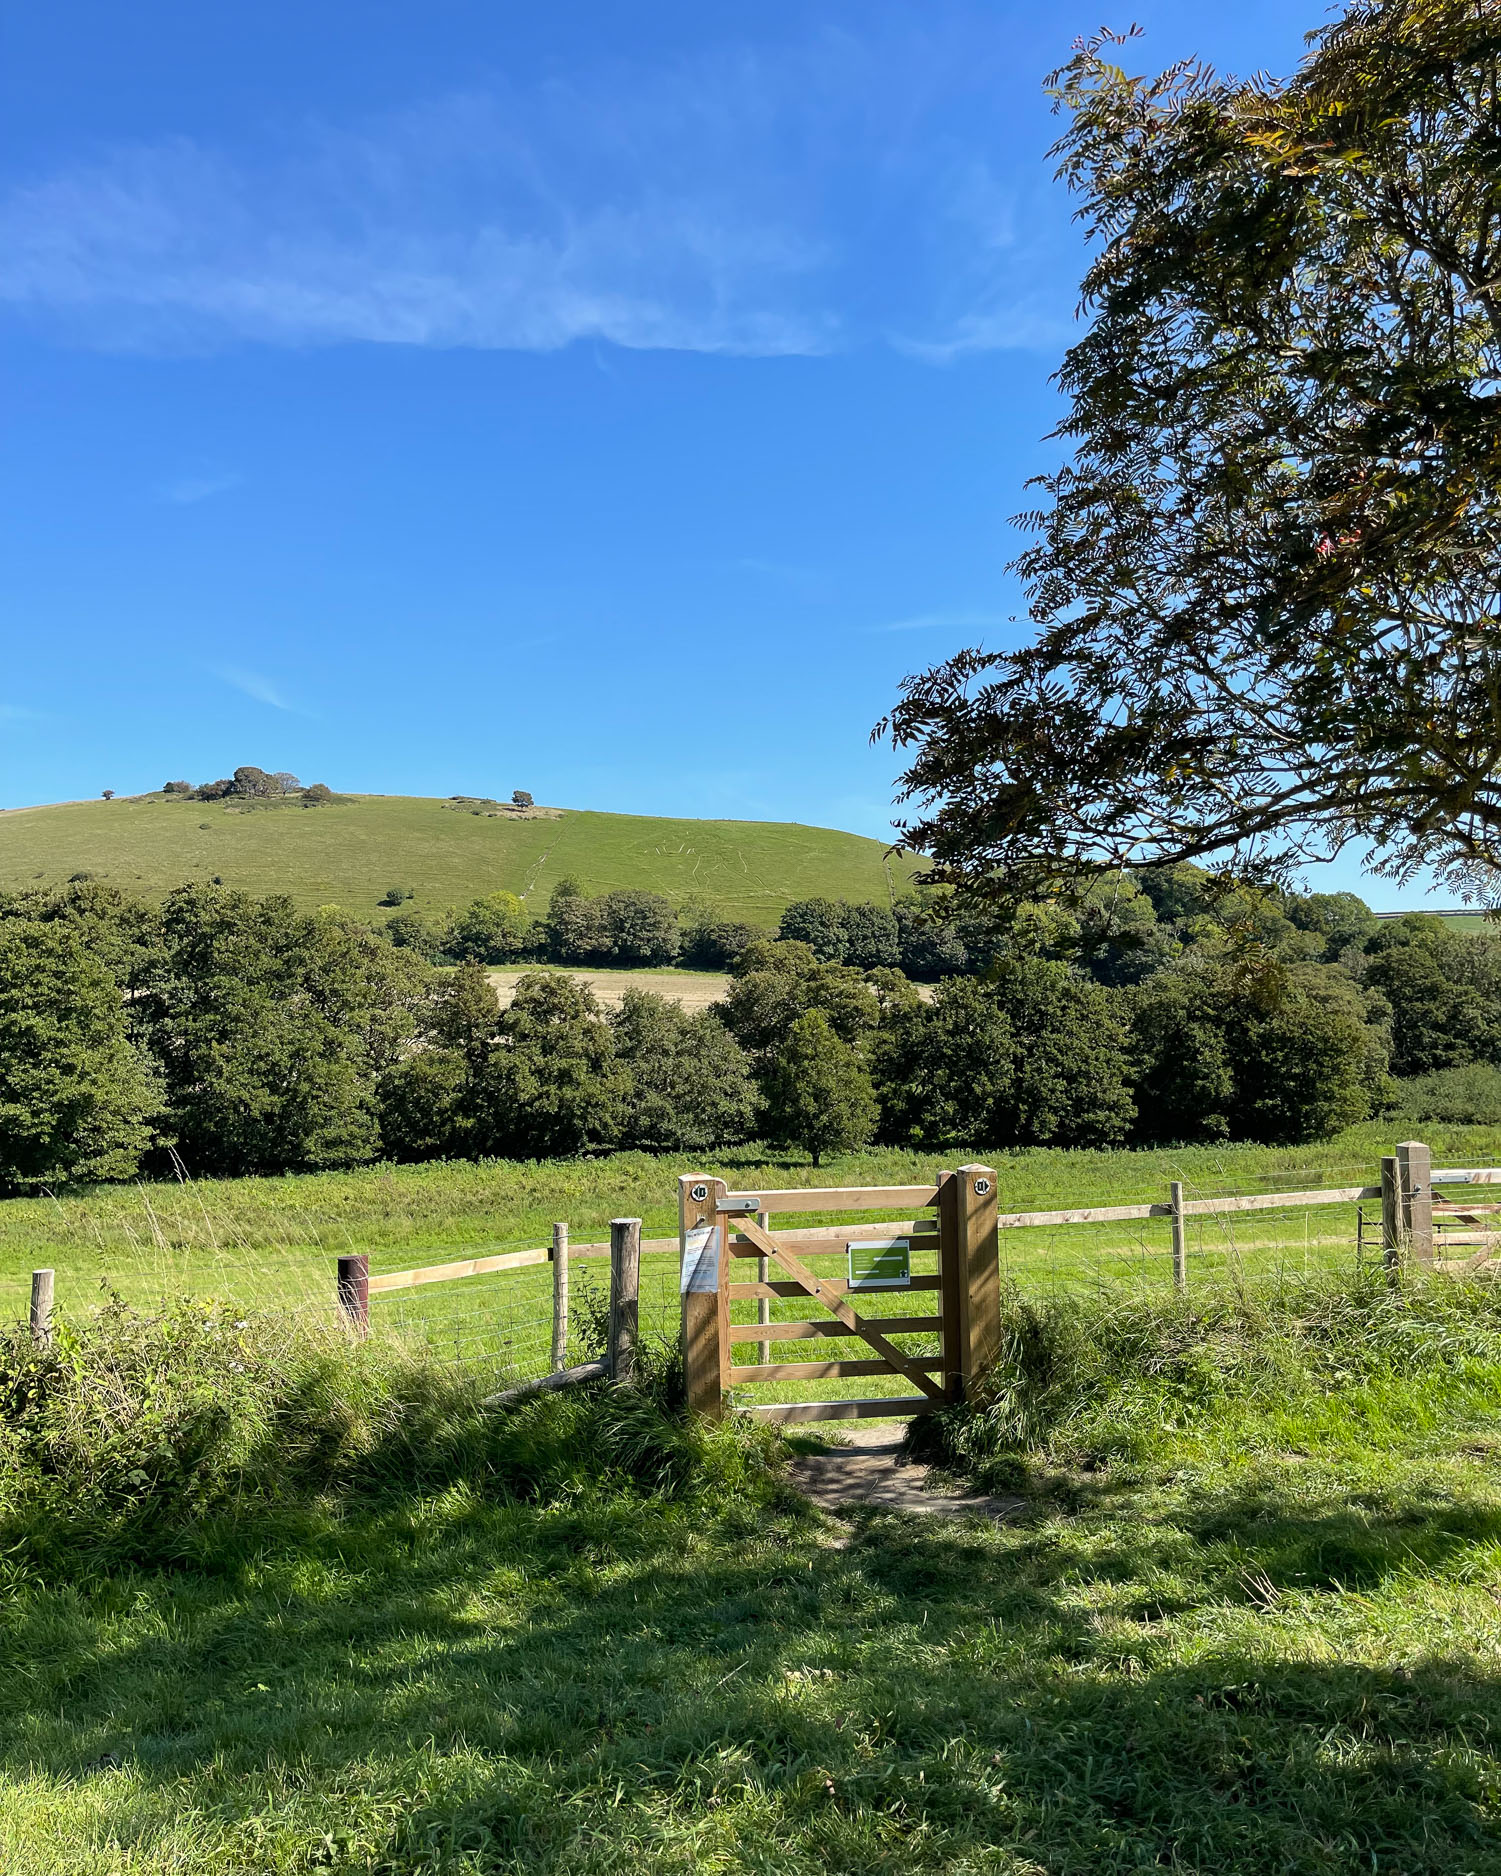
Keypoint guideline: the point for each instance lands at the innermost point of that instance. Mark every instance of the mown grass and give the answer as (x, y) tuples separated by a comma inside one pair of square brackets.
[(1200, 1652), (349, 852)]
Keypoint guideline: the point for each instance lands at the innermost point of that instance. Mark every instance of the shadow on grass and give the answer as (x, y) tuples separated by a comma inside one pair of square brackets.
[(627, 1684)]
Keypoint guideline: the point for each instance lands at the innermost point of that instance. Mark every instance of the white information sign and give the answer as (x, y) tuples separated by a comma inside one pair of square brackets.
[(700, 1261)]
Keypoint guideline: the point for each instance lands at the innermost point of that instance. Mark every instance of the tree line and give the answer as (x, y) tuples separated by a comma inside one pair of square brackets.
[(921, 934), (237, 1035)]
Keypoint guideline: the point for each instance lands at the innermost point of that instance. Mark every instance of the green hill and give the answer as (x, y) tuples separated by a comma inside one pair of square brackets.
[(348, 852)]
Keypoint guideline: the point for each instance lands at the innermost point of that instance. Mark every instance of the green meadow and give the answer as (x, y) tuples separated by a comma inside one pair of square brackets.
[(272, 1244), (348, 852)]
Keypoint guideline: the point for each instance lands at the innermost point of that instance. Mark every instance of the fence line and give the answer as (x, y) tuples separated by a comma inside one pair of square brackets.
[(516, 1328)]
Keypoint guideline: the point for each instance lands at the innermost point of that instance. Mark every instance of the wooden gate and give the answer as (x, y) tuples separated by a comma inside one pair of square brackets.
[(723, 1233)]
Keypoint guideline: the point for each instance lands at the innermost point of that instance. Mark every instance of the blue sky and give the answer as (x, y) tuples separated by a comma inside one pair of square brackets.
[(609, 400)]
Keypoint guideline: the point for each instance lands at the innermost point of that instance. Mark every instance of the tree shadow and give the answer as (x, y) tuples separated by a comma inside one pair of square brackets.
[(618, 1684)]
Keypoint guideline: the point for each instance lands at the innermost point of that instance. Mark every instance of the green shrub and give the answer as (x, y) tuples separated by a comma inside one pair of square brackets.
[(1468, 1096)]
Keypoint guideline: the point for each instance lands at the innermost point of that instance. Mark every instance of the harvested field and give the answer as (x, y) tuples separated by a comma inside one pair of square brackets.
[(691, 990)]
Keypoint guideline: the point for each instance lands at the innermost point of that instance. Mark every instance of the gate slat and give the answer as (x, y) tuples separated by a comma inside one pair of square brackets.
[(833, 1300), (821, 1370), (743, 1292), (837, 1199), (835, 1247), (797, 1331), (893, 1407)]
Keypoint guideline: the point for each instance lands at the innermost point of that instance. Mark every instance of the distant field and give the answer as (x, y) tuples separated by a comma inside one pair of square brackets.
[(349, 853), (690, 990)]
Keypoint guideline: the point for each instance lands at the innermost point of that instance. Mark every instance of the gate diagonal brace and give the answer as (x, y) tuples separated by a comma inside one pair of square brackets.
[(833, 1301)]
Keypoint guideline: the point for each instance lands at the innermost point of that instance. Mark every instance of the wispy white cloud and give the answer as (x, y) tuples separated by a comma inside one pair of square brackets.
[(382, 237), (184, 491), (948, 621), (1024, 325), (787, 199), (260, 688)]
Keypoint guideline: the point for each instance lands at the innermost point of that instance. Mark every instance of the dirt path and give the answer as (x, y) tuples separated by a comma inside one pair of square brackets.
[(868, 1471)]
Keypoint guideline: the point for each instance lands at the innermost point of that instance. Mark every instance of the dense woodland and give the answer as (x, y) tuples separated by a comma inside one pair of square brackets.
[(229, 1034)]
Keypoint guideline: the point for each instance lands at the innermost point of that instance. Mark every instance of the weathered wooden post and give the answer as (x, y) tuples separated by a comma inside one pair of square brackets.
[(1391, 1219), (1180, 1238), (970, 1275), (354, 1292), (763, 1275), (704, 1285), (41, 1305), (1415, 1199), (625, 1290), (559, 1298)]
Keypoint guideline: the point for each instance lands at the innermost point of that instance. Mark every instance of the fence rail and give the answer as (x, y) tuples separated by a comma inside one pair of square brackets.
[(1445, 1219)]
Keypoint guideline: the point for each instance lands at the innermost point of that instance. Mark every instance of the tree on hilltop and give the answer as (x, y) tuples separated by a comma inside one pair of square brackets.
[(1268, 584)]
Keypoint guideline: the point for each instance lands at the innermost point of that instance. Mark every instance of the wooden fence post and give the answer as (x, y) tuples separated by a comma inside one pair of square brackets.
[(950, 1281), (972, 1272), (704, 1285), (1180, 1238), (1415, 1198), (41, 1305), (763, 1274), (1391, 1220), (354, 1292), (559, 1298), (625, 1290)]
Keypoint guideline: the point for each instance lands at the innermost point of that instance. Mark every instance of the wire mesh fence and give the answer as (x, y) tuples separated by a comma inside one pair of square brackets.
[(162, 1243)]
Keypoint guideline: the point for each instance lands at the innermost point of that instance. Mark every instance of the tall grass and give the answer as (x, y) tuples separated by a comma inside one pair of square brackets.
[(185, 1434), (1358, 1363)]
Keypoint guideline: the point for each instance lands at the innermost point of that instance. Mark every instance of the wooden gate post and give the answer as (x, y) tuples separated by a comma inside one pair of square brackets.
[(1415, 1198), (1391, 1219), (970, 1273), (704, 1283), (625, 1287)]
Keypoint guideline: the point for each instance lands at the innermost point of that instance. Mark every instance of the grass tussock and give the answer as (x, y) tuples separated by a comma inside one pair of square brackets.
[(1353, 1364), (177, 1436)]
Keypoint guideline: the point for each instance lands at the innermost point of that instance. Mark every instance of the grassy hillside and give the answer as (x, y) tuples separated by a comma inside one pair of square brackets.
[(347, 853)]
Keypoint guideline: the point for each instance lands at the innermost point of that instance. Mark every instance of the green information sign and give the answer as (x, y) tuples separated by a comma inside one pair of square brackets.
[(881, 1264)]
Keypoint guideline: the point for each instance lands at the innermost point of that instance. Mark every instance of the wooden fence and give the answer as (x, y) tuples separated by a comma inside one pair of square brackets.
[(1423, 1220)]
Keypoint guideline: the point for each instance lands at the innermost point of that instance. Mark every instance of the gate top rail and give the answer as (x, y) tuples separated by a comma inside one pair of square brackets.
[(830, 1199)]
